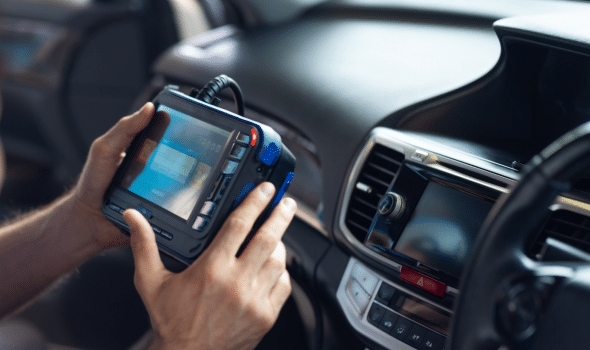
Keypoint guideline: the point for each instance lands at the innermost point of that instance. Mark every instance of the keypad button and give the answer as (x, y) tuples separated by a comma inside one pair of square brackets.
[(243, 138), (375, 314), (229, 167), (359, 296), (237, 151), (145, 212), (116, 208), (401, 328), (388, 321), (156, 229), (385, 293), (367, 279), (222, 189), (207, 209), (431, 341), (166, 235), (200, 223), (416, 335)]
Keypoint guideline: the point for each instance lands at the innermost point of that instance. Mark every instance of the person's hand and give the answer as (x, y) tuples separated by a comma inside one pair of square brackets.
[(106, 154), (220, 301)]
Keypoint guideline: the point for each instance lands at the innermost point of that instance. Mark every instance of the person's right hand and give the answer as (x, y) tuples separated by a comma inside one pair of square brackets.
[(220, 301)]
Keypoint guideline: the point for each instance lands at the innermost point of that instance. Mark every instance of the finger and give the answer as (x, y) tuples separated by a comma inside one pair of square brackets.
[(105, 153), (269, 234), (119, 137), (148, 265), (280, 292), (239, 223), (272, 269)]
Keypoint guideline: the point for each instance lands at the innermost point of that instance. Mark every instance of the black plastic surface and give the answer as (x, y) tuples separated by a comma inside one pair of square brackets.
[(346, 75)]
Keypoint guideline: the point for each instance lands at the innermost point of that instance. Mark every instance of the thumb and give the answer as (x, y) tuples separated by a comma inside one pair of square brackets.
[(148, 264)]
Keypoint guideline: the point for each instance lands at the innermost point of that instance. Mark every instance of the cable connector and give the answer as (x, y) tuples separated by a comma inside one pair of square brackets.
[(209, 92)]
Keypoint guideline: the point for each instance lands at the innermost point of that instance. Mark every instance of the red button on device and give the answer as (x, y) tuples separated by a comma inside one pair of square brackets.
[(419, 280), (254, 137)]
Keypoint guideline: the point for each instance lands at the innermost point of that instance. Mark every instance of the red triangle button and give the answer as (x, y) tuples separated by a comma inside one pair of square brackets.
[(423, 282)]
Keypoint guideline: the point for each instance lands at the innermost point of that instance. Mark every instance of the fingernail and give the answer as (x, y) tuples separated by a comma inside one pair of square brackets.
[(289, 204), (266, 189)]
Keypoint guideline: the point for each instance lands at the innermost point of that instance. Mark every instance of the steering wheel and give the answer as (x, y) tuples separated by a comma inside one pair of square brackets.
[(508, 298)]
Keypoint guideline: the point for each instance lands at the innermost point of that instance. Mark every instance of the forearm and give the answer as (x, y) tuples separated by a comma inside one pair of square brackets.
[(38, 248)]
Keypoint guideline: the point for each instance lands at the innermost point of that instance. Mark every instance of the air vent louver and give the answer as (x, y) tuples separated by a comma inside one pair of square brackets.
[(567, 227), (377, 173)]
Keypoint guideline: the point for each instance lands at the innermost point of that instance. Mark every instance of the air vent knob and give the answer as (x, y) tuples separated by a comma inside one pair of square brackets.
[(392, 206)]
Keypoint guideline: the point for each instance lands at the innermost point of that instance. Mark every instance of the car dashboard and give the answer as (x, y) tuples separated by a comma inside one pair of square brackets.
[(448, 126), (427, 106)]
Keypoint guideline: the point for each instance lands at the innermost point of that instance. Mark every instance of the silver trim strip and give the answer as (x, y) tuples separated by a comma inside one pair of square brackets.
[(569, 204)]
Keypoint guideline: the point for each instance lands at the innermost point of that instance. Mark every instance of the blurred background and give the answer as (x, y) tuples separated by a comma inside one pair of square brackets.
[(69, 69)]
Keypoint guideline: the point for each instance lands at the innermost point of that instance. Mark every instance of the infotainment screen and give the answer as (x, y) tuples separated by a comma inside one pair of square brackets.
[(443, 227), (175, 161)]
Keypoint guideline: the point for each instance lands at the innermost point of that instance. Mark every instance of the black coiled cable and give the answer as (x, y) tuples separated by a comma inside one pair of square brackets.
[(209, 92)]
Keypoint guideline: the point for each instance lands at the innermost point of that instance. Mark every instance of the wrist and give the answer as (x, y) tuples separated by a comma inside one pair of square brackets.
[(77, 230)]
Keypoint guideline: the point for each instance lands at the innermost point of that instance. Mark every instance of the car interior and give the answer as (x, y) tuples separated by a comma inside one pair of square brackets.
[(442, 157)]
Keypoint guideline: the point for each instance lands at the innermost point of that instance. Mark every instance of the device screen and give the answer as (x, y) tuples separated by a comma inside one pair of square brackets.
[(175, 161), (443, 228)]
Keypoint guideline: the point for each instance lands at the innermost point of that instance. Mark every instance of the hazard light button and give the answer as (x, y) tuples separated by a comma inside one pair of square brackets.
[(424, 282)]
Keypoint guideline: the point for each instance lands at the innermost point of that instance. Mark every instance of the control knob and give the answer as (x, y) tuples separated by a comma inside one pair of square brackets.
[(392, 206)]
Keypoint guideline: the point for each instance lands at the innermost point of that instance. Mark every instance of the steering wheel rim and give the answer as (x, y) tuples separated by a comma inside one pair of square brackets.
[(500, 278)]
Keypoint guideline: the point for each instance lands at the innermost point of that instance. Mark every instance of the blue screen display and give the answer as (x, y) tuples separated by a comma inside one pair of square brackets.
[(175, 161)]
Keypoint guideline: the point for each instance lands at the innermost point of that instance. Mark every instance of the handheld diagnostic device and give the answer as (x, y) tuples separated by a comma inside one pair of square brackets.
[(191, 167)]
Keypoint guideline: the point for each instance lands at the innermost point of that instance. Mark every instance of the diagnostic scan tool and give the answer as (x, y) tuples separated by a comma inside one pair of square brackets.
[(191, 167)]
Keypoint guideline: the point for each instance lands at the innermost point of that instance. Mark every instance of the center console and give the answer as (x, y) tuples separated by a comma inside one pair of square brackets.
[(421, 224)]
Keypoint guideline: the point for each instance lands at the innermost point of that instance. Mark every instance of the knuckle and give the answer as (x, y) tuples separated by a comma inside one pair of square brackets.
[(265, 241), (99, 146), (285, 282), (277, 263), (125, 121), (237, 223)]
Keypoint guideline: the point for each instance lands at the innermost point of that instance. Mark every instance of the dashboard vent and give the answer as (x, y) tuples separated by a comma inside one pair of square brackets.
[(567, 227), (376, 175)]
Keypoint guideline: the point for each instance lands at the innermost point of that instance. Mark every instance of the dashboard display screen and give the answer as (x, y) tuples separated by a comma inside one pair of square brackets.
[(442, 230), (175, 161)]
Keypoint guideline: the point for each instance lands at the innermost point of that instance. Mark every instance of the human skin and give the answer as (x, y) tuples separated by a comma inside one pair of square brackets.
[(220, 301), (38, 248)]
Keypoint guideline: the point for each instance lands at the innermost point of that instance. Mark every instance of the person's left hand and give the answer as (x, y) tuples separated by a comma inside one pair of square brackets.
[(105, 156)]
